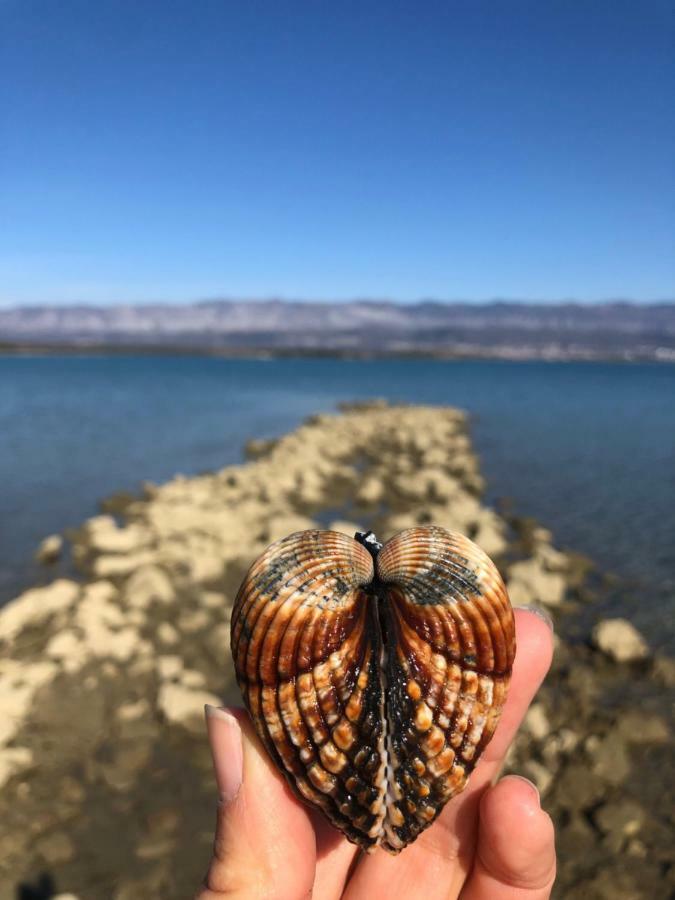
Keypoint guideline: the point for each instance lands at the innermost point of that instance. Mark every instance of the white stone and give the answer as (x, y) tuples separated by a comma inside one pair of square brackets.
[(131, 712), (36, 606), (148, 584), (536, 721), (116, 565), (193, 679), (214, 600), (19, 682), (69, 649), (207, 568), (183, 706), (282, 525), (49, 549), (529, 582), (103, 536), (539, 774), (169, 667), (194, 620), (620, 640), (349, 528), (371, 491), (167, 634), (12, 761)]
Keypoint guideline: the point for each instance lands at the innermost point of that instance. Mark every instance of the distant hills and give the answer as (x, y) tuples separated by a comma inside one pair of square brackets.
[(497, 329)]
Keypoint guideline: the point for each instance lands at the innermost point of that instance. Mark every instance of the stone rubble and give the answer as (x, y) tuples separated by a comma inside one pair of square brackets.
[(107, 788)]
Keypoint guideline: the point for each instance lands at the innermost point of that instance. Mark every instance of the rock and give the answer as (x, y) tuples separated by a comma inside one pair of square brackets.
[(620, 640), (49, 550), (68, 648), (349, 528), (192, 678), (13, 760), (541, 535), (103, 684), (623, 818), (102, 535), (56, 848), (19, 682), (536, 721), (103, 627), (255, 448), (167, 634), (128, 759), (610, 759), (578, 788), (371, 491), (214, 600), (37, 606), (194, 620), (559, 745), (131, 712), (207, 568), (155, 846), (538, 774), (664, 670), (529, 582), (491, 533), (120, 564), (282, 525), (184, 706), (169, 668), (71, 791), (551, 559), (638, 727), (146, 585)]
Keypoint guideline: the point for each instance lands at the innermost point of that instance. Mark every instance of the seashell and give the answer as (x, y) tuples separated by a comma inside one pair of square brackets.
[(375, 675)]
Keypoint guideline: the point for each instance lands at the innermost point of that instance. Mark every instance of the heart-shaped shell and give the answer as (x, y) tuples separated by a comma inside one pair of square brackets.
[(374, 677)]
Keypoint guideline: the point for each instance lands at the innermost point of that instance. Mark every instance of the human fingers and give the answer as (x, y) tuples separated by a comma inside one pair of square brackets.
[(264, 844), (437, 864), (515, 855)]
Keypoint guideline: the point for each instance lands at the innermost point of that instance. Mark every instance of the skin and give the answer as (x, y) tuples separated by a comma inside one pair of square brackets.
[(491, 842)]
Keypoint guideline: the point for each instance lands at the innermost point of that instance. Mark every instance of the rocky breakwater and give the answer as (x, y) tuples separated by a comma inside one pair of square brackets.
[(105, 775)]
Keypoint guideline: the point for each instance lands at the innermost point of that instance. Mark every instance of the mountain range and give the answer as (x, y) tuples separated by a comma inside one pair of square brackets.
[(502, 329)]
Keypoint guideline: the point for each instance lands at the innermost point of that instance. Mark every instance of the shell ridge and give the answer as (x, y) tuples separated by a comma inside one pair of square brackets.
[(375, 679), (300, 591)]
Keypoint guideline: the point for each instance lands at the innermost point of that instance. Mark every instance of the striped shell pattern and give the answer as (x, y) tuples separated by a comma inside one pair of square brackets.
[(375, 675)]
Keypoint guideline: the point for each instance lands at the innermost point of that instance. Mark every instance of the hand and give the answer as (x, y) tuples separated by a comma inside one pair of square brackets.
[(491, 842)]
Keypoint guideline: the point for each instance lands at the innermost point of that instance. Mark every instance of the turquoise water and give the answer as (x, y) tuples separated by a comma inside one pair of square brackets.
[(588, 449)]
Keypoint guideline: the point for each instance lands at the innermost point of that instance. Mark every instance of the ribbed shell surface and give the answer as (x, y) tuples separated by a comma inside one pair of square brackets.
[(374, 683)]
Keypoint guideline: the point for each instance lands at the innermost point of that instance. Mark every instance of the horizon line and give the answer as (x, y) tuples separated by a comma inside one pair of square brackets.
[(9, 305)]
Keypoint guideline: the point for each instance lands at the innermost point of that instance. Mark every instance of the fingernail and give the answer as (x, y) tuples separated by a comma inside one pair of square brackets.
[(543, 614), (226, 749), (533, 787)]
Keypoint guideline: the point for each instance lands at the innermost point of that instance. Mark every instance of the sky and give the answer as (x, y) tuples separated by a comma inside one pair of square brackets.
[(172, 151)]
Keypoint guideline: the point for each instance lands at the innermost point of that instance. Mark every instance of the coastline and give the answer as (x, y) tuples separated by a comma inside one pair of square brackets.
[(516, 353), (103, 757)]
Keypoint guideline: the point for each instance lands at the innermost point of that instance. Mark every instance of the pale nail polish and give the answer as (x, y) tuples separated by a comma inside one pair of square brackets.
[(226, 749), (543, 614), (530, 784)]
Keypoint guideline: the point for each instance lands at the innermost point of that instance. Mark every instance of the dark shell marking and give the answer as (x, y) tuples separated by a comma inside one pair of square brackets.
[(375, 679)]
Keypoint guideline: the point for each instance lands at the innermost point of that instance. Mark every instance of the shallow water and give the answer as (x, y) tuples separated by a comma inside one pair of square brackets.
[(588, 449)]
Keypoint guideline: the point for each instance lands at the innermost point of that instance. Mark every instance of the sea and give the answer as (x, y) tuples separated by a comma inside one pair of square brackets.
[(587, 449)]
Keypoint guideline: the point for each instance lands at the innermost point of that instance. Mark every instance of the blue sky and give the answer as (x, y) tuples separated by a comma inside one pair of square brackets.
[(180, 150)]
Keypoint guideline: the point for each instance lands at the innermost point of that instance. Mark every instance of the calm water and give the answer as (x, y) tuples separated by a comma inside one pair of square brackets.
[(588, 449)]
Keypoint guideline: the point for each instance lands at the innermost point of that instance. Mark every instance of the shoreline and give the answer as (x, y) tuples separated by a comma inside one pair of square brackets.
[(475, 354), (103, 756)]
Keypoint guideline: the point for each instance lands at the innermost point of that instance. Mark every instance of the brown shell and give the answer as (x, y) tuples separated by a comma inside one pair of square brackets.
[(375, 680)]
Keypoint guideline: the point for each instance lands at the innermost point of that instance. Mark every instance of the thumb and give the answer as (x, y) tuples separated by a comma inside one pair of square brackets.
[(515, 857), (264, 844)]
